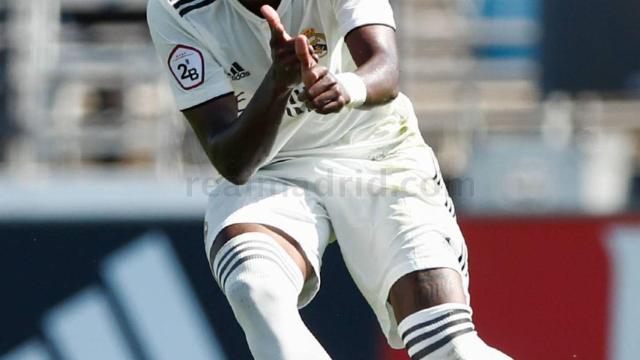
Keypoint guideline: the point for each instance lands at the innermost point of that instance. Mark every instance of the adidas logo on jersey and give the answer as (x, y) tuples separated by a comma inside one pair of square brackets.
[(237, 72)]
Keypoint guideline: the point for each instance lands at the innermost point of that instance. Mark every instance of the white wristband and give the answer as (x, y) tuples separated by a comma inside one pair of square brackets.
[(355, 87)]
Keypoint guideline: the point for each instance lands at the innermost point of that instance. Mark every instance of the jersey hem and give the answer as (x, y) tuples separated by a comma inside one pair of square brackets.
[(207, 95), (346, 29), (207, 101), (361, 26)]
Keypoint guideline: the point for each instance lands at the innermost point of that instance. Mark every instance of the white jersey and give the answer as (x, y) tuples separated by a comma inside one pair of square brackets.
[(212, 48)]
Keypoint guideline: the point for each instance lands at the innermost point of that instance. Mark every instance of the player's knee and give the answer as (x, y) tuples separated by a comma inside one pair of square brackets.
[(249, 291)]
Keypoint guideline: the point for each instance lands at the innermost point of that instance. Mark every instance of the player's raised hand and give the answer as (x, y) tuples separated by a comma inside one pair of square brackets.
[(278, 32), (310, 74), (323, 93), (286, 67)]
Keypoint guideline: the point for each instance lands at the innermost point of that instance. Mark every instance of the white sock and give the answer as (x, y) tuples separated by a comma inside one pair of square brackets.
[(262, 284), (445, 332)]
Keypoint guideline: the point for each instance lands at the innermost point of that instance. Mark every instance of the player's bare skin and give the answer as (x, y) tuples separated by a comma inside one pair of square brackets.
[(424, 289)]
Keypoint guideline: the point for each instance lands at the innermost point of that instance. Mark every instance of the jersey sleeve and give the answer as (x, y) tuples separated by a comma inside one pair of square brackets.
[(352, 14), (194, 75)]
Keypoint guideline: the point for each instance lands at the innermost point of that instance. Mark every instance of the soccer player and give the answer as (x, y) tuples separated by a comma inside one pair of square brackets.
[(299, 112)]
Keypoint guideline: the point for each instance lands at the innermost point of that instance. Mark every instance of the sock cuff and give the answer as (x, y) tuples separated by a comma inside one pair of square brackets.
[(433, 317), (248, 248), (236, 241)]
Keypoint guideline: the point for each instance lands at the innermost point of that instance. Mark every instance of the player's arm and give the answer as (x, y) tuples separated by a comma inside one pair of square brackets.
[(374, 50), (375, 82), (237, 145), (368, 28)]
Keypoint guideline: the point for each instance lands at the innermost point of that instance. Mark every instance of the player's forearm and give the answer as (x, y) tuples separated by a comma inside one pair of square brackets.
[(374, 50), (238, 151), (381, 77)]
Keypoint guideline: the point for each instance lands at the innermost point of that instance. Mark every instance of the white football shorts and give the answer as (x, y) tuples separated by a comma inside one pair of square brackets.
[(390, 216)]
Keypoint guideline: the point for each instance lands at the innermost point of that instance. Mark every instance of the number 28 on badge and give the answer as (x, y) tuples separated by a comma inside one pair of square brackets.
[(187, 66)]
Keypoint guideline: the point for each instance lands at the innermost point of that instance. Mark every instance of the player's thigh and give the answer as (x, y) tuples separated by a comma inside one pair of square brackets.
[(293, 216), (390, 237)]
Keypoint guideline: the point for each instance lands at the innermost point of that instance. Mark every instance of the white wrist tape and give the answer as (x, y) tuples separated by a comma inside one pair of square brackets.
[(355, 87)]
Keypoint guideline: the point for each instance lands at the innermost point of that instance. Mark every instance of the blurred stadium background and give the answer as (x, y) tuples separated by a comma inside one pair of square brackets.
[(532, 106)]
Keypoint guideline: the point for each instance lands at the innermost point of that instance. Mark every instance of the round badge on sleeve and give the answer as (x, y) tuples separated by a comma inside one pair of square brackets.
[(187, 66)]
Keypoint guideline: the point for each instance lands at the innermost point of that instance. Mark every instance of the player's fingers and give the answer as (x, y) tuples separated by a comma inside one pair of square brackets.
[(283, 58), (323, 85), (311, 76), (271, 16), (290, 63), (327, 97), (286, 50), (304, 97), (313, 53), (302, 50), (273, 19), (332, 107)]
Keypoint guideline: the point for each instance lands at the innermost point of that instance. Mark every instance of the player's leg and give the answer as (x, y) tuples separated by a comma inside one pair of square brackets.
[(434, 319), (430, 303), (262, 271), (404, 250), (265, 241)]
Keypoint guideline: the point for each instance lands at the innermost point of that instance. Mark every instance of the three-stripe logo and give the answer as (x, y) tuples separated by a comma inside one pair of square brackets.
[(237, 72), (143, 307)]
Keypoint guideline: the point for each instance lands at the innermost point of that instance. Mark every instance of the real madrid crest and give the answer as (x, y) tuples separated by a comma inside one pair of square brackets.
[(318, 41)]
